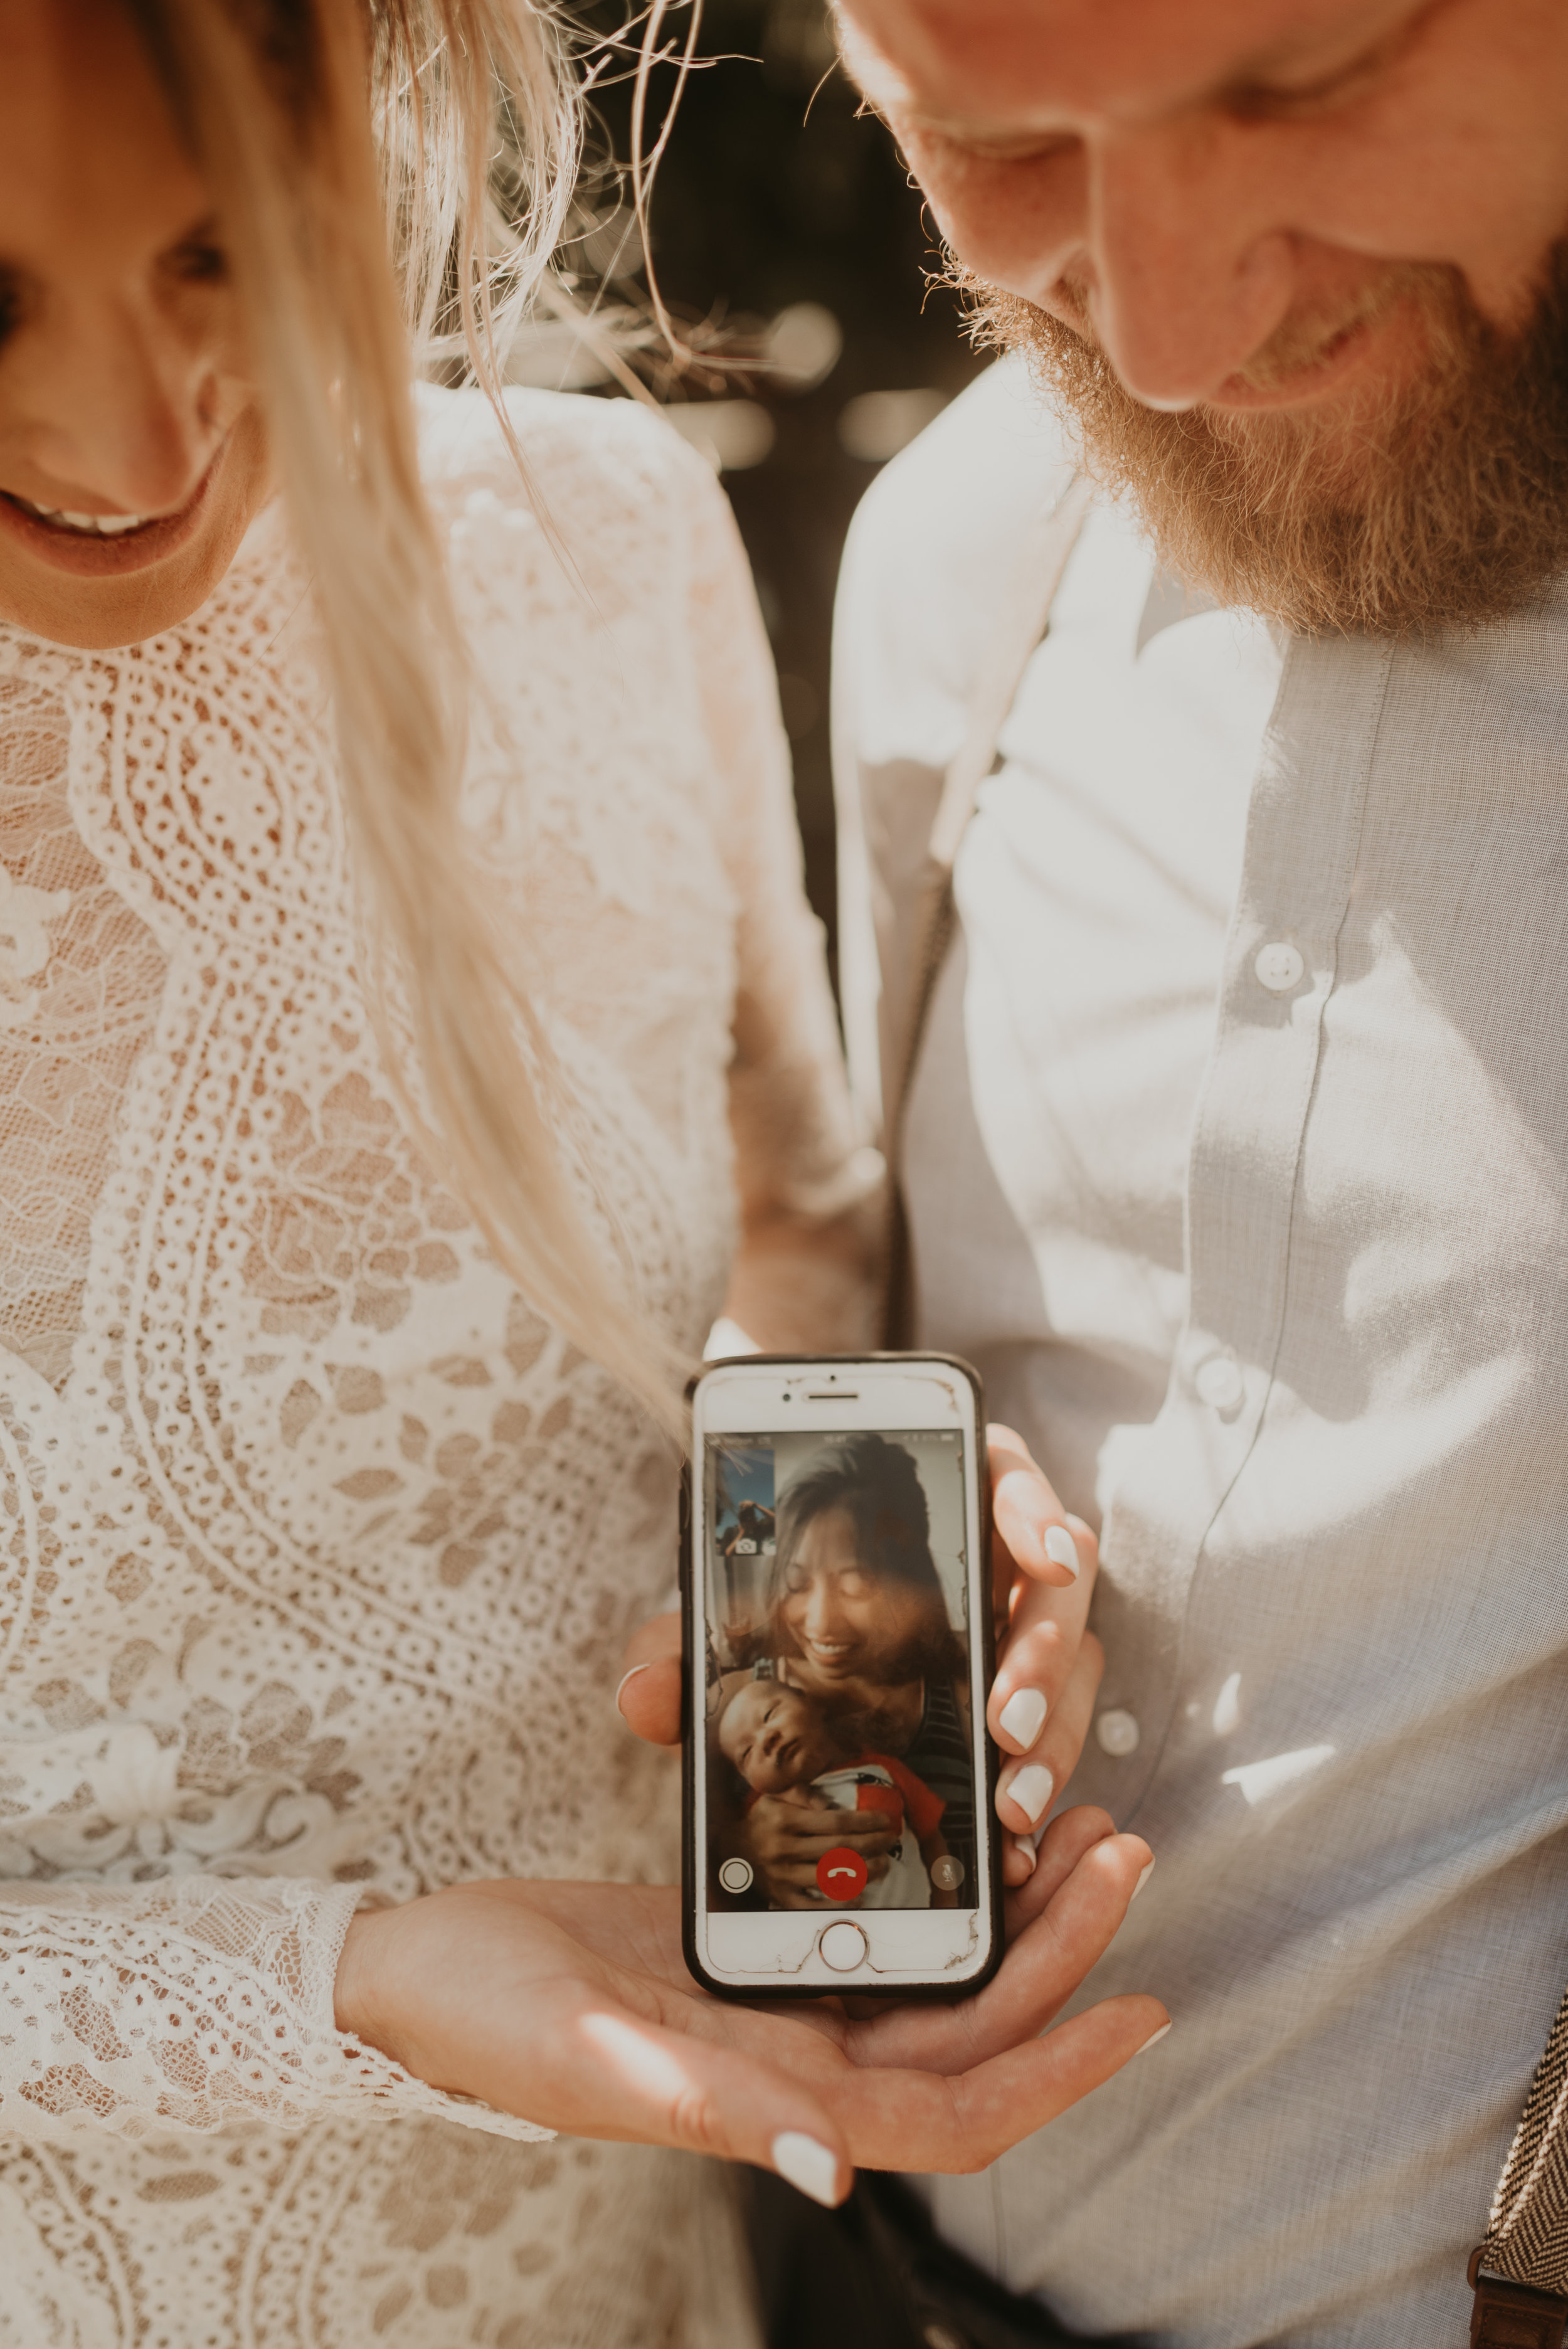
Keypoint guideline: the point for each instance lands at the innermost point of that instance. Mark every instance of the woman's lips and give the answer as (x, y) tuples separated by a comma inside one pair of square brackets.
[(91, 554), (829, 1652)]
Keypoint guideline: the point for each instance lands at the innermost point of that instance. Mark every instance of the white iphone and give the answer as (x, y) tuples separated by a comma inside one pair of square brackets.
[(839, 1782)]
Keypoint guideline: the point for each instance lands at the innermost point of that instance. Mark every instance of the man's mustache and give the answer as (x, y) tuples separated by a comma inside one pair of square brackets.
[(1432, 500)]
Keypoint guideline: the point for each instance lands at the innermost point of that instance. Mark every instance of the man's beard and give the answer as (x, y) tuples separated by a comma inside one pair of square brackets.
[(1441, 504)]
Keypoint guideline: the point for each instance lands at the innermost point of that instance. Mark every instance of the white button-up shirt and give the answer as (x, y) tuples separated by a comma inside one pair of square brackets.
[(1238, 1163)]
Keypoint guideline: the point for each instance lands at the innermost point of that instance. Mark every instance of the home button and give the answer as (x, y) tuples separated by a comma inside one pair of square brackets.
[(842, 1947)]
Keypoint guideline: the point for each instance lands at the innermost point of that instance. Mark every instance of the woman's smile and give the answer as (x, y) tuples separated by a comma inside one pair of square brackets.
[(831, 1655), (107, 546)]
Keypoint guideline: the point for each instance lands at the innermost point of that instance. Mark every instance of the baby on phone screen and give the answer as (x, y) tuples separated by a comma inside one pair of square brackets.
[(783, 1742)]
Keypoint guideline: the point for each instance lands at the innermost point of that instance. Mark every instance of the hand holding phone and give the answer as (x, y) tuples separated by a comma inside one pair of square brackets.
[(572, 2005)]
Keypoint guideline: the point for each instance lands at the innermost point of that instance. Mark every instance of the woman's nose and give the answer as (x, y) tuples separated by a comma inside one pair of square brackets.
[(130, 418), (822, 1609)]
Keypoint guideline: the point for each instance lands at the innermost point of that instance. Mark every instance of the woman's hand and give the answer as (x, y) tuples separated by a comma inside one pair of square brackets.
[(570, 2004), (1042, 1566), (784, 1841), (649, 1696)]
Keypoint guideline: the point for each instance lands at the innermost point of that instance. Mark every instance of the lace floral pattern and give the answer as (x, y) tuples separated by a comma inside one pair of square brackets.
[(318, 1546)]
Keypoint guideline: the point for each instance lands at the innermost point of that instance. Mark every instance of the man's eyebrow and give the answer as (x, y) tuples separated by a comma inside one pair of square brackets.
[(1316, 52)]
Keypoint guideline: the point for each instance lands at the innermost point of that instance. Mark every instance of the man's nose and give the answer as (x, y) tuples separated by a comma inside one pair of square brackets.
[(1188, 283), (128, 415)]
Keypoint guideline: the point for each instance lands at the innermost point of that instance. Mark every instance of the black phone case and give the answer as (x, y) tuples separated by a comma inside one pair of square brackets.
[(691, 1761)]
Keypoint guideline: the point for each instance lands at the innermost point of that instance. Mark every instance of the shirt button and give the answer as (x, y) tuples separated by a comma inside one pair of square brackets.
[(1220, 1383), (1279, 966), (1118, 1732)]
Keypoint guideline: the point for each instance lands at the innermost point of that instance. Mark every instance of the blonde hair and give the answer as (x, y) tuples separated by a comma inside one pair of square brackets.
[(392, 176)]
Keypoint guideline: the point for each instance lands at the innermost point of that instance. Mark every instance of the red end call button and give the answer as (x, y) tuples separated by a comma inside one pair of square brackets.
[(841, 1873)]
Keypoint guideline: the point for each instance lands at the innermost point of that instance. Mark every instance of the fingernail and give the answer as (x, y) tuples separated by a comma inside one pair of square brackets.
[(1061, 1548), (1031, 1788), (1144, 1876), (810, 2168), (621, 1684), (1152, 2041), (1023, 1716), (1024, 1845)]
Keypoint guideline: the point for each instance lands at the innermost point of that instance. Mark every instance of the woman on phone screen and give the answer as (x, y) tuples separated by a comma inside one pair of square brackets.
[(857, 1616), (372, 762)]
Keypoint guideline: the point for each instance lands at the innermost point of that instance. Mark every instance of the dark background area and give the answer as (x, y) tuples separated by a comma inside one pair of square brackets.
[(776, 202)]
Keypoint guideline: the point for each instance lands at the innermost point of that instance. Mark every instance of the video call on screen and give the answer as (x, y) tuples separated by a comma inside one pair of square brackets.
[(837, 1673)]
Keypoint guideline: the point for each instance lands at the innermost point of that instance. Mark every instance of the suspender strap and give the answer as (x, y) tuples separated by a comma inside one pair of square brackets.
[(1025, 615), (1520, 2269)]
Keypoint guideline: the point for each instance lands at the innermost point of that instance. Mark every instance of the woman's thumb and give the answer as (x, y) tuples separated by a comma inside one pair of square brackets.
[(649, 1701)]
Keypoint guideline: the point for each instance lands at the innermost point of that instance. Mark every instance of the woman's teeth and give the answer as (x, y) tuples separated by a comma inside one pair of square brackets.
[(90, 526)]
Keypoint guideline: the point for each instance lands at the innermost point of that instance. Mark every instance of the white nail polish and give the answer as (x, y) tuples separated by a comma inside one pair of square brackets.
[(1026, 1850), (622, 1682), (1152, 2041), (1143, 1877), (1032, 1788), (1023, 1716), (1061, 1548), (809, 2167)]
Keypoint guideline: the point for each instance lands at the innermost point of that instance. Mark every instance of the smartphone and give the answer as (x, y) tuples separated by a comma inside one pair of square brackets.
[(838, 1783)]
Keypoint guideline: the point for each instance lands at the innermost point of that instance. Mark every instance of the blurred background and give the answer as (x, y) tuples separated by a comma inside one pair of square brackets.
[(784, 231)]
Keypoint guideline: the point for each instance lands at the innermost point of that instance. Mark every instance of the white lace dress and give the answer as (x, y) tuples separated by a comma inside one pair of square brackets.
[(318, 1546)]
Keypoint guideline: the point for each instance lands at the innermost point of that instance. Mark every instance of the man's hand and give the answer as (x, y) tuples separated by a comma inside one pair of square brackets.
[(570, 2004), (1043, 1567)]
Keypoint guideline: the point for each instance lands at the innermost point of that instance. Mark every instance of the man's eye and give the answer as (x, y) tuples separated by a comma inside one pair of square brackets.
[(199, 263), (1260, 102), (1008, 155)]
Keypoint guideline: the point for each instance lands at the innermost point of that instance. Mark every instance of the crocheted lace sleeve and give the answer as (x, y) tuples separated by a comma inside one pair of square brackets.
[(189, 2004), (801, 1163)]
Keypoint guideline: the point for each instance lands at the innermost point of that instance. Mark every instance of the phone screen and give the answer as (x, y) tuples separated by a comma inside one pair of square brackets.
[(839, 1749)]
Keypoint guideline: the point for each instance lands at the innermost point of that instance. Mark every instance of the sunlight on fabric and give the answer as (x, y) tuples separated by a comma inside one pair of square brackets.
[(1227, 1715), (1258, 1780)]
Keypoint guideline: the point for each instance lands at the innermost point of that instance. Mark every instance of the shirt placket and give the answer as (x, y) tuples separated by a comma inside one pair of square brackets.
[(1303, 833)]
